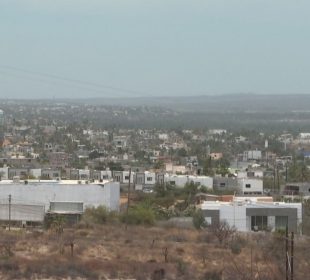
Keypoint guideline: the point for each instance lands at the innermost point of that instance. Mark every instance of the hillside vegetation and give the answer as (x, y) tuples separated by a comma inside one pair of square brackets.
[(117, 251)]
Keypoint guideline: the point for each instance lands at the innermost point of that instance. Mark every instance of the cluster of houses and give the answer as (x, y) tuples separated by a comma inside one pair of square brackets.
[(29, 202), (50, 167), (245, 183)]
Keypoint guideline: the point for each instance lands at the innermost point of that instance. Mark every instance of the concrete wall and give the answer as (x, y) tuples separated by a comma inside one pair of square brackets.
[(22, 212), (94, 195), (66, 207), (225, 184)]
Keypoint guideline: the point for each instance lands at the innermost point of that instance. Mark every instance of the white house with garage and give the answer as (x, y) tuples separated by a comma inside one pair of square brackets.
[(250, 215)]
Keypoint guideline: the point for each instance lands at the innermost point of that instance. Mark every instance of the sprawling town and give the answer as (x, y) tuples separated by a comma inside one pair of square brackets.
[(71, 168)]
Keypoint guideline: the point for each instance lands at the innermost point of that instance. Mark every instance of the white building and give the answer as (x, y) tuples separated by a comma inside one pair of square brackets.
[(4, 173), (43, 192), (250, 174), (250, 186), (182, 180), (22, 212), (150, 178), (125, 177), (254, 216), (252, 155), (163, 136), (106, 174)]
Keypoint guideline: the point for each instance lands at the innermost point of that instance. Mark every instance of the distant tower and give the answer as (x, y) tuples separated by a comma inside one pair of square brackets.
[(1, 127)]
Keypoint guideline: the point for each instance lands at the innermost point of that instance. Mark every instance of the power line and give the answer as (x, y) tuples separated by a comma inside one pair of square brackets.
[(99, 86)]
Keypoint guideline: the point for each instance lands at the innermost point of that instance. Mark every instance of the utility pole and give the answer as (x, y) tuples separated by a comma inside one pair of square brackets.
[(251, 262), (10, 199), (289, 258), (286, 253), (274, 179), (128, 198), (278, 179), (292, 255)]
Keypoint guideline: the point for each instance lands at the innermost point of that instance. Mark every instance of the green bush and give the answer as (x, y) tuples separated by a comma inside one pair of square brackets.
[(237, 244), (139, 215), (99, 215), (199, 221), (235, 248), (213, 275)]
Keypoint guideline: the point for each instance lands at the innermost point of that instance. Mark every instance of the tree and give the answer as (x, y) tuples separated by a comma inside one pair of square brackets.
[(222, 231), (115, 166), (207, 168), (58, 224), (199, 221)]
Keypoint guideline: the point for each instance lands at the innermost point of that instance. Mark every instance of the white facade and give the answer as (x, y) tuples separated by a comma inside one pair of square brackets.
[(106, 174), (92, 195), (4, 172), (250, 174), (182, 180), (150, 178), (250, 186), (36, 173), (163, 136), (125, 177), (235, 213), (22, 212), (84, 174), (252, 155)]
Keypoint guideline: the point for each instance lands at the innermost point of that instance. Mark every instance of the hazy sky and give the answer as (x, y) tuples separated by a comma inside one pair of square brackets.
[(92, 48)]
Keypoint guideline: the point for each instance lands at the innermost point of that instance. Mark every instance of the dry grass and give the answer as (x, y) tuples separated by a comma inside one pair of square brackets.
[(111, 251)]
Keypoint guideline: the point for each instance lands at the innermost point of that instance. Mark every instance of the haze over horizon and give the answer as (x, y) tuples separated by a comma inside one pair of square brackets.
[(98, 48)]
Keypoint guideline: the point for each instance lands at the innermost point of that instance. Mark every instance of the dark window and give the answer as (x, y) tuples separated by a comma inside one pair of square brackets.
[(281, 222), (258, 223), (149, 179), (222, 185), (172, 183), (126, 177), (248, 186)]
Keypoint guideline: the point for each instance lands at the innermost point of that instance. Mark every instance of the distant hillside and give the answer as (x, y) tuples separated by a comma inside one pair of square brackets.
[(220, 103)]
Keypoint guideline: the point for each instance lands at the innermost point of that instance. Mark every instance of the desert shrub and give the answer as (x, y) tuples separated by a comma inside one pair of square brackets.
[(181, 267), (222, 231), (59, 269), (99, 215), (180, 237), (213, 275), (139, 215), (205, 237), (279, 232), (84, 225), (158, 274), (235, 247), (199, 221)]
